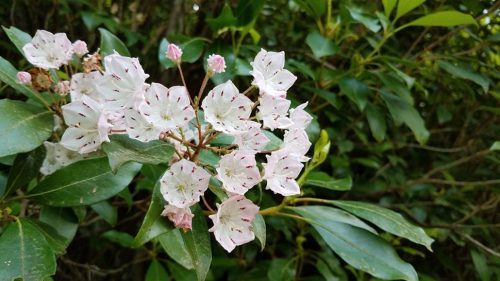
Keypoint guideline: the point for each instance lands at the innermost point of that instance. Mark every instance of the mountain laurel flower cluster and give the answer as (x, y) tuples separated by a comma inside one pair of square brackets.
[(112, 96)]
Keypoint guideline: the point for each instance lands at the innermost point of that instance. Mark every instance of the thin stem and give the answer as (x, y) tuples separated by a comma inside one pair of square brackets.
[(299, 218), (179, 67), (202, 88), (247, 91), (207, 205)]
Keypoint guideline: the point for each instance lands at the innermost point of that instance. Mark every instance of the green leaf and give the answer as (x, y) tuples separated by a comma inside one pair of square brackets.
[(111, 43), (153, 224), (179, 273), (247, 11), (192, 49), (405, 112), (376, 121), (25, 168), (156, 272), (322, 179), (173, 244), (29, 257), (107, 211), (321, 46), (8, 75), (406, 6), (387, 220), (495, 146), (56, 242), (208, 157), (122, 238), (465, 73), (274, 142), (225, 19), (123, 149), (18, 37), (281, 270), (444, 18), (362, 17), (83, 183), (321, 149), (362, 249), (481, 266), (62, 220), (24, 126), (315, 8), (356, 91), (259, 229), (389, 6), (324, 213), (198, 244)]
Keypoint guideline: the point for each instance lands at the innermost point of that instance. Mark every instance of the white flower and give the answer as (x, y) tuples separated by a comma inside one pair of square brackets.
[(139, 128), (57, 156), (216, 63), (84, 84), (300, 118), (84, 133), (80, 48), (297, 142), (23, 77), (274, 111), (280, 171), (167, 108), (227, 110), (254, 139), (62, 88), (48, 50), (174, 53), (123, 82), (181, 217), (233, 222), (238, 171), (269, 75), (184, 183)]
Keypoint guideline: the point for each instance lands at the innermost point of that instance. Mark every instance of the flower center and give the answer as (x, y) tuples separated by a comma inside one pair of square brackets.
[(180, 187), (166, 117)]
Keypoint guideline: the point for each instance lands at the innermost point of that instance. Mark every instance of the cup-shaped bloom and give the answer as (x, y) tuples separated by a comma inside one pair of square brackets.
[(227, 110), (297, 142), (269, 75), (273, 111), (47, 50), (57, 156), (238, 171), (184, 183), (233, 222), (254, 139), (167, 109), (23, 77), (174, 53), (280, 171), (85, 134), (138, 127), (85, 84), (216, 63), (123, 82), (80, 48), (181, 217), (300, 118)]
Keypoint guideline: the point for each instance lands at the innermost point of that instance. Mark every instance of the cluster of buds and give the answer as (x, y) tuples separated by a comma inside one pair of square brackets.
[(115, 99)]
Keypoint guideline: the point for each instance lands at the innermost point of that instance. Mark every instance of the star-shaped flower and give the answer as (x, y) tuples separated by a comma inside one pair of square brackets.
[(238, 171), (269, 75), (227, 110), (273, 111), (57, 156), (300, 118), (184, 183), (84, 84), (280, 171), (47, 50), (297, 142), (254, 140), (138, 127), (233, 222)]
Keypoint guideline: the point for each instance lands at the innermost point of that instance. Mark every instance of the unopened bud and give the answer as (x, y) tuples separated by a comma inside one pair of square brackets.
[(80, 48), (62, 88), (216, 63), (174, 53), (23, 77)]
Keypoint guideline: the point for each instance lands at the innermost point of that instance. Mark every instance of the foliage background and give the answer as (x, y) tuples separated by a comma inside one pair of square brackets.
[(424, 153)]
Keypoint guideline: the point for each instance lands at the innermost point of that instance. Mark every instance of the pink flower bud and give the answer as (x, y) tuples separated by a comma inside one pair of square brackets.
[(62, 88), (80, 48), (181, 217), (174, 53), (23, 77), (216, 63)]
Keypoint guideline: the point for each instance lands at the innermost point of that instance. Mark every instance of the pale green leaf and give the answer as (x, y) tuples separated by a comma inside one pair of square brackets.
[(444, 18), (321, 46)]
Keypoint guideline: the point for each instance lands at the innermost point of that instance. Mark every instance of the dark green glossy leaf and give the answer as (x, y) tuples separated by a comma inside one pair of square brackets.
[(122, 238), (107, 211), (356, 91), (24, 126), (387, 220), (29, 257), (322, 179), (315, 8), (83, 183), (281, 270), (173, 244), (321, 46), (225, 19), (259, 229), (123, 149), (376, 121), (465, 73), (247, 11), (62, 220), (25, 168), (18, 37), (111, 43), (57, 242), (360, 248), (8, 75), (156, 272)]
